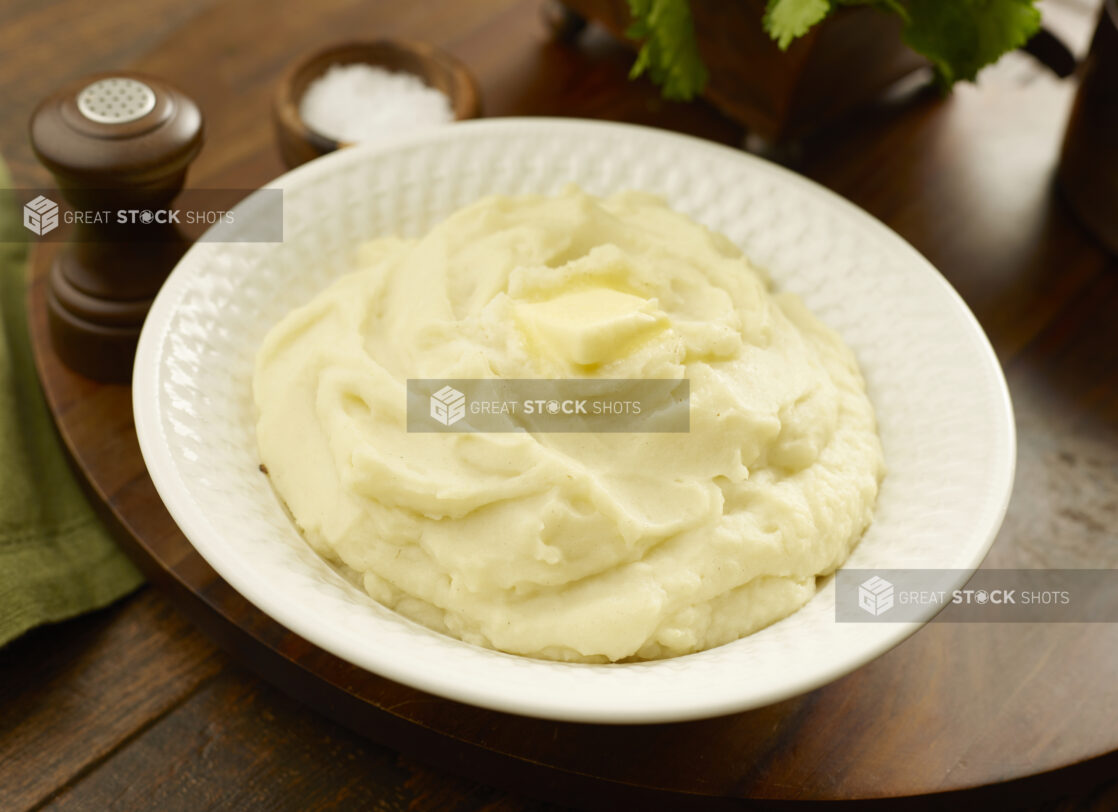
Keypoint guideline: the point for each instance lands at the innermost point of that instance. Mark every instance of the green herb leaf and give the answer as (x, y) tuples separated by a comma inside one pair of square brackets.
[(785, 20), (670, 53), (961, 37)]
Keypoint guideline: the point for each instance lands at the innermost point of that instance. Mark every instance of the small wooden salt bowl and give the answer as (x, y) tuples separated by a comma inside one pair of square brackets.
[(299, 143)]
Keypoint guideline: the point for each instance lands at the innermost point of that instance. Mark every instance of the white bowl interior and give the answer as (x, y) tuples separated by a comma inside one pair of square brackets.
[(942, 404)]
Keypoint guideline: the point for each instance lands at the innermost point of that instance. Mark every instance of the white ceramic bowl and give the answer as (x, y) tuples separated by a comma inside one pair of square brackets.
[(945, 417)]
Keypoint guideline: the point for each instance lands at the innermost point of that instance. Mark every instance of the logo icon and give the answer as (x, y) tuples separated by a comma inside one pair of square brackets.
[(448, 406), (40, 216), (875, 595)]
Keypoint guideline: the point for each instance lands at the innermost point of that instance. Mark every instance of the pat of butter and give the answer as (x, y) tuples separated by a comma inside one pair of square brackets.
[(590, 326)]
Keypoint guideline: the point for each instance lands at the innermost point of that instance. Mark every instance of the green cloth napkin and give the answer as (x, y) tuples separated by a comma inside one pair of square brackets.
[(56, 559)]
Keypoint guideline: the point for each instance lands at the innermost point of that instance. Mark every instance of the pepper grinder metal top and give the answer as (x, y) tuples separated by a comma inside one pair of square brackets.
[(113, 141)]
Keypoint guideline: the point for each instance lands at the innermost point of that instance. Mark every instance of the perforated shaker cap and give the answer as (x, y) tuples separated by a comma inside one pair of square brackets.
[(116, 100)]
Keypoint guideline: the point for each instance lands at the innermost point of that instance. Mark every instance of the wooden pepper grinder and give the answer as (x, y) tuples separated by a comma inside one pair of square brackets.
[(116, 144)]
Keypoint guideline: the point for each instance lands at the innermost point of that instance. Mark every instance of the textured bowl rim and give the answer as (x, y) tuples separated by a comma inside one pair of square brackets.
[(681, 706)]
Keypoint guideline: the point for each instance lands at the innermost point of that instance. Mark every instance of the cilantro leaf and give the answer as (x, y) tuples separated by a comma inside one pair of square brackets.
[(962, 36), (670, 53), (959, 37), (786, 20)]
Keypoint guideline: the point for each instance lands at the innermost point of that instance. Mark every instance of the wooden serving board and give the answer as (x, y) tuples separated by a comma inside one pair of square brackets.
[(956, 708)]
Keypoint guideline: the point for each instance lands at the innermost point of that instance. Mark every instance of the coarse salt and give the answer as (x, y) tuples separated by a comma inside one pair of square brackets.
[(361, 102)]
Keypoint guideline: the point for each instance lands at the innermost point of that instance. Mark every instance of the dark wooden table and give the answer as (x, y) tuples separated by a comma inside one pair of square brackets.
[(132, 708)]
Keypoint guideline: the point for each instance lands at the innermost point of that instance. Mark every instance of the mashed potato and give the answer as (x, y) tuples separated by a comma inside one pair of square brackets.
[(590, 546)]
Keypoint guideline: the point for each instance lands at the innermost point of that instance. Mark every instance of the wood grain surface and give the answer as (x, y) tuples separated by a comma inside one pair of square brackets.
[(132, 708)]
